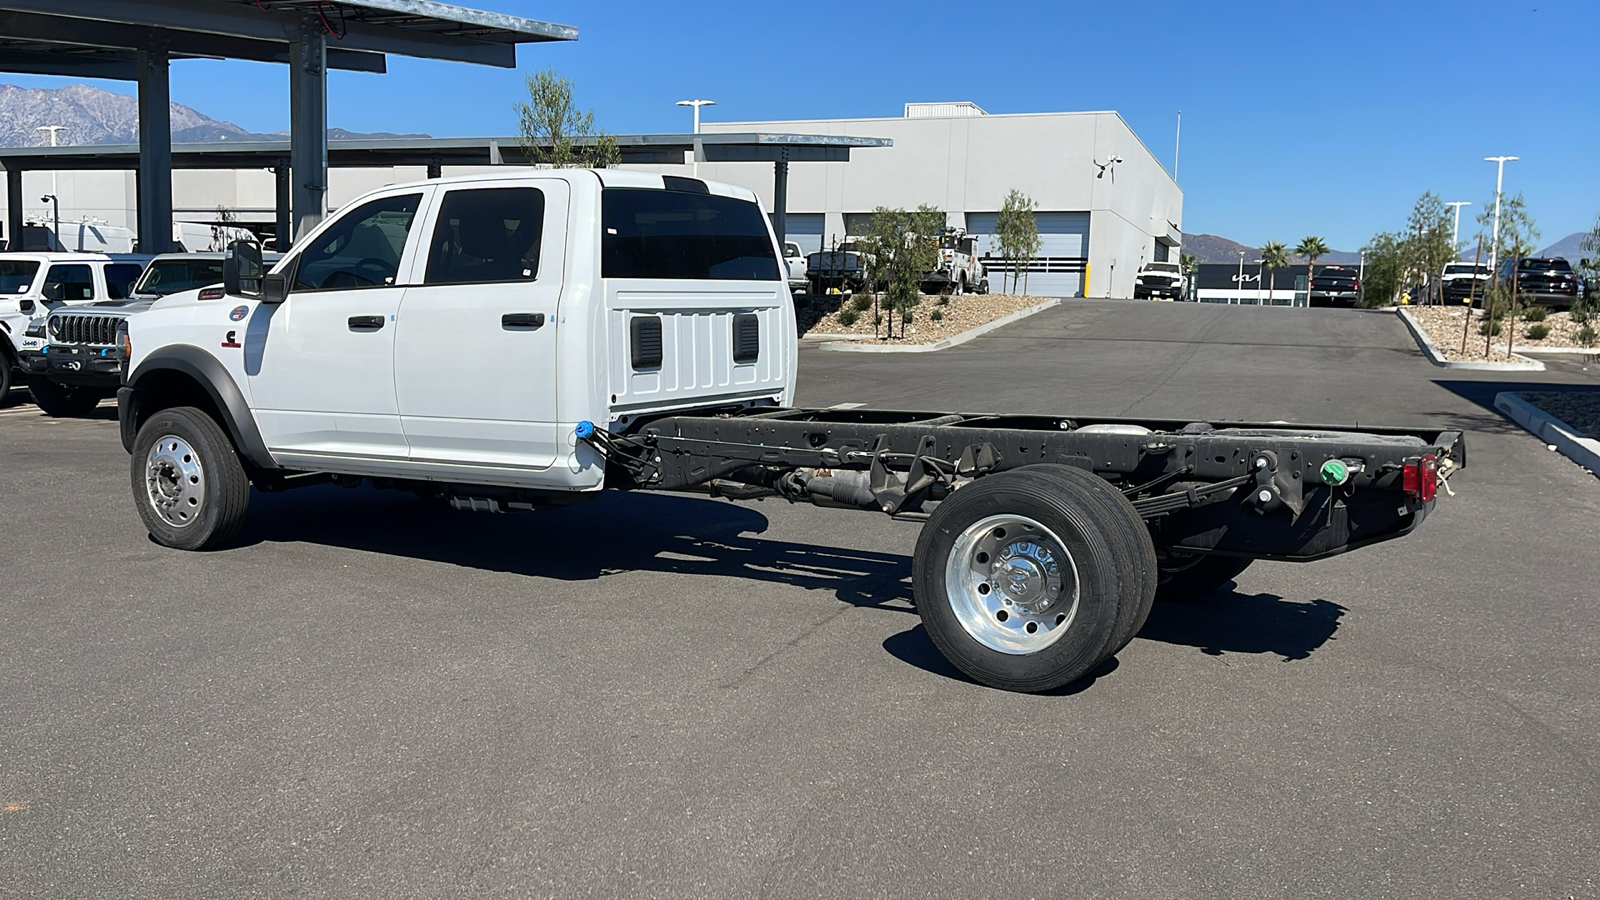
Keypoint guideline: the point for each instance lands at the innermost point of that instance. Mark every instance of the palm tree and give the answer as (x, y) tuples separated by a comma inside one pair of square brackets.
[(1274, 256), (1188, 264), (1311, 248)]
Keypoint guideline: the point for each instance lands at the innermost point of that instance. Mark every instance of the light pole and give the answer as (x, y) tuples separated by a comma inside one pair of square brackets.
[(697, 104), (1238, 281), (1258, 281), (1455, 233), (56, 204), (1499, 178), (54, 130)]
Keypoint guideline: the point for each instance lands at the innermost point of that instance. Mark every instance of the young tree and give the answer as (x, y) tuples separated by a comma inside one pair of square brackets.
[(899, 247), (1589, 269), (1311, 247), (1018, 232), (1429, 239), (1189, 265), (553, 132), (1517, 239), (1386, 263), (1274, 256)]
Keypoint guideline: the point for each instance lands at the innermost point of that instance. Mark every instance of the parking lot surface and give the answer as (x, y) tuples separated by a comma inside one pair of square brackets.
[(663, 695)]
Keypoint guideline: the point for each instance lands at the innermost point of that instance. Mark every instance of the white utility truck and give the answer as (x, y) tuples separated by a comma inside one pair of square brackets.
[(623, 330)]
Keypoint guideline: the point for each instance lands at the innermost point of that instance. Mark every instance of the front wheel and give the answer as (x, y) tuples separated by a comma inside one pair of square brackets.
[(188, 483), (1018, 583), (62, 401)]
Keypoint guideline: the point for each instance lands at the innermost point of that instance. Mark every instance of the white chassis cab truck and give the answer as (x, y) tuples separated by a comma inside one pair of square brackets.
[(622, 330)]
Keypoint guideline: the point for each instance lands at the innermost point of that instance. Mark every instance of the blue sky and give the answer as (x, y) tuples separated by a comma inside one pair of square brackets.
[(1298, 118)]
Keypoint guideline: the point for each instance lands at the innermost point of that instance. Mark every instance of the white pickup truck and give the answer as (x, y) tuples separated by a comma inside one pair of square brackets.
[(524, 341)]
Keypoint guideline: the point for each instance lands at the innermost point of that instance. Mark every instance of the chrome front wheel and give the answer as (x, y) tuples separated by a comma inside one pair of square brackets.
[(175, 482)]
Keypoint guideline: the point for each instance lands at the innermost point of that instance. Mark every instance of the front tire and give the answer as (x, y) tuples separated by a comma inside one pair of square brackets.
[(1018, 583), (188, 483), (62, 401)]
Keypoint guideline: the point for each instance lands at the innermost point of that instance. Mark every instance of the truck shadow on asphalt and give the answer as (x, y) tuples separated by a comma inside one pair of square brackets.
[(614, 533)]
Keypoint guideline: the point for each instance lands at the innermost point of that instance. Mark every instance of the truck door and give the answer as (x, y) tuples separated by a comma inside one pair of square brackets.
[(476, 344), (320, 364)]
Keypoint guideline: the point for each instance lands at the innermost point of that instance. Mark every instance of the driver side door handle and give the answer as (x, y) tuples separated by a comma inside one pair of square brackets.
[(366, 323)]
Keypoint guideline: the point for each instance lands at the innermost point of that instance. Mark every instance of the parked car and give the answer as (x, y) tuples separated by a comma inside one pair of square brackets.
[(1460, 282), (1159, 281), (71, 355), (33, 283), (1547, 281), (1335, 286)]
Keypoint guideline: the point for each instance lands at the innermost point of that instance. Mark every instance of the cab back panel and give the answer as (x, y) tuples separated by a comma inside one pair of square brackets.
[(697, 362)]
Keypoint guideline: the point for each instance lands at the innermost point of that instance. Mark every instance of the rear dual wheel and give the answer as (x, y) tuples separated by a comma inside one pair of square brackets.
[(1027, 580)]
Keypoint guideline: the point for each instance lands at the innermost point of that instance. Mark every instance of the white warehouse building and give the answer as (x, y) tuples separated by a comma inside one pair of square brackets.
[(1097, 224), (1104, 205)]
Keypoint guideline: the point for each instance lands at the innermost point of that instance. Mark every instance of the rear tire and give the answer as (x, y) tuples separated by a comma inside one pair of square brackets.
[(1192, 577), (62, 401), (1018, 583), (188, 483)]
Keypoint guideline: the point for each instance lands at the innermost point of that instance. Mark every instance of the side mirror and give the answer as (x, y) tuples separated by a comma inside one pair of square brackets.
[(242, 269), (274, 287), (55, 292)]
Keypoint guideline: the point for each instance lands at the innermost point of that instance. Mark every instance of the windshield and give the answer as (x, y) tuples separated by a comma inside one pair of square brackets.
[(1465, 269), (16, 275), (1546, 265), (169, 276), (1161, 267)]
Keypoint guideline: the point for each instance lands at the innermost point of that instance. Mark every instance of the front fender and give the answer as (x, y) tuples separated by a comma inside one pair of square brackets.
[(210, 374)]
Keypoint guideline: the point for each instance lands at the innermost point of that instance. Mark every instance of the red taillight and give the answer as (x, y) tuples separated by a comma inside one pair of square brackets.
[(1420, 478), (1355, 285)]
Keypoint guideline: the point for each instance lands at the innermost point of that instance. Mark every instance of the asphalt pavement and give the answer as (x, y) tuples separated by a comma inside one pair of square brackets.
[(664, 696)]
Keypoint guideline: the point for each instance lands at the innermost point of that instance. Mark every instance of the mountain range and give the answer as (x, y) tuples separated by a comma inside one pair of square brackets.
[(94, 116)]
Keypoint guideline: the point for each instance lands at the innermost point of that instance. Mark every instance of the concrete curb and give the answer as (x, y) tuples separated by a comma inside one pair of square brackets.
[(951, 341), (1437, 358), (1554, 432)]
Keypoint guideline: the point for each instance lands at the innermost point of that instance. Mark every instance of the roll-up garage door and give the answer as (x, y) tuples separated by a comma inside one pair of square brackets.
[(804, 229), (1063, 253)]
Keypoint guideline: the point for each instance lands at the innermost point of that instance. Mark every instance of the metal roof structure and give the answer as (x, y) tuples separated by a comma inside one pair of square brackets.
[(136, 40), (435, 153)]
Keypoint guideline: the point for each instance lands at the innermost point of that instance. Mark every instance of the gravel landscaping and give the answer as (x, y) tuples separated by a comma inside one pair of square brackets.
[(1444, 325), (820, 315), (1578, 410)]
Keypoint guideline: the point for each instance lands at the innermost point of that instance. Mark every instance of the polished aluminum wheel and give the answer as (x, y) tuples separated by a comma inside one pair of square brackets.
[(1011, 584), (175, 481)]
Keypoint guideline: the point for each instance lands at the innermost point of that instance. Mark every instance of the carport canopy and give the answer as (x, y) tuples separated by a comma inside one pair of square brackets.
[(435, 153), (136, 40)]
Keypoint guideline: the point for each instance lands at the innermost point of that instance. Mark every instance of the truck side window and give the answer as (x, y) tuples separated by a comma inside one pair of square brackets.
[(486, 234), (647, 233), (77, 279), (120, 278), (361, 249)]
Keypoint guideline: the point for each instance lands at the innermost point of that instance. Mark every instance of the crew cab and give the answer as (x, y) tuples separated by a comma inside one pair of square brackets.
[(1463, 282), (839, 269), (527, 340), (70, 354), (32, 283), (1548, 281), (1335, 286), (1159, 281)]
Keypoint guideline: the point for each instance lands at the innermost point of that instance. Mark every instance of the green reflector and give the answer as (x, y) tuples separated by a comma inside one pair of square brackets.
[(1335, 472)]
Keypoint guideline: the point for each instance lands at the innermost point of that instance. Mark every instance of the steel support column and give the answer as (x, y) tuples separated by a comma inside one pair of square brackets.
[(780, 199), (14, 209), (308, 125), (155, 148), (283, 238)]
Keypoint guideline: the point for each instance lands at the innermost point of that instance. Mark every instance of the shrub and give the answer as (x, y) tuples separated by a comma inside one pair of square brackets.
[(937, 315), (1490, 327), (1534, 313), (1586, 336), (848, 317), (944, 300), (907, 316), (1580, 315), (861, 302), (1537, 332)]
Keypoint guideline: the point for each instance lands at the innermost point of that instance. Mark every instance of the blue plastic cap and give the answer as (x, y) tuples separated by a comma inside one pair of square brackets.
[(584, 429)]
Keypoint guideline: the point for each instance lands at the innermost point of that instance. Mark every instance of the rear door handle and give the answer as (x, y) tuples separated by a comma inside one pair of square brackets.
[(366, 323), (522, 320)]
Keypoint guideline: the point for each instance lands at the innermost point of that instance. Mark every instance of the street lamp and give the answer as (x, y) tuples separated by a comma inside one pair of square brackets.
[(697, 104), (1238, 281), (56, 204), (54, 130), (1499, 178), (1258, 281), (1455, 233)]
